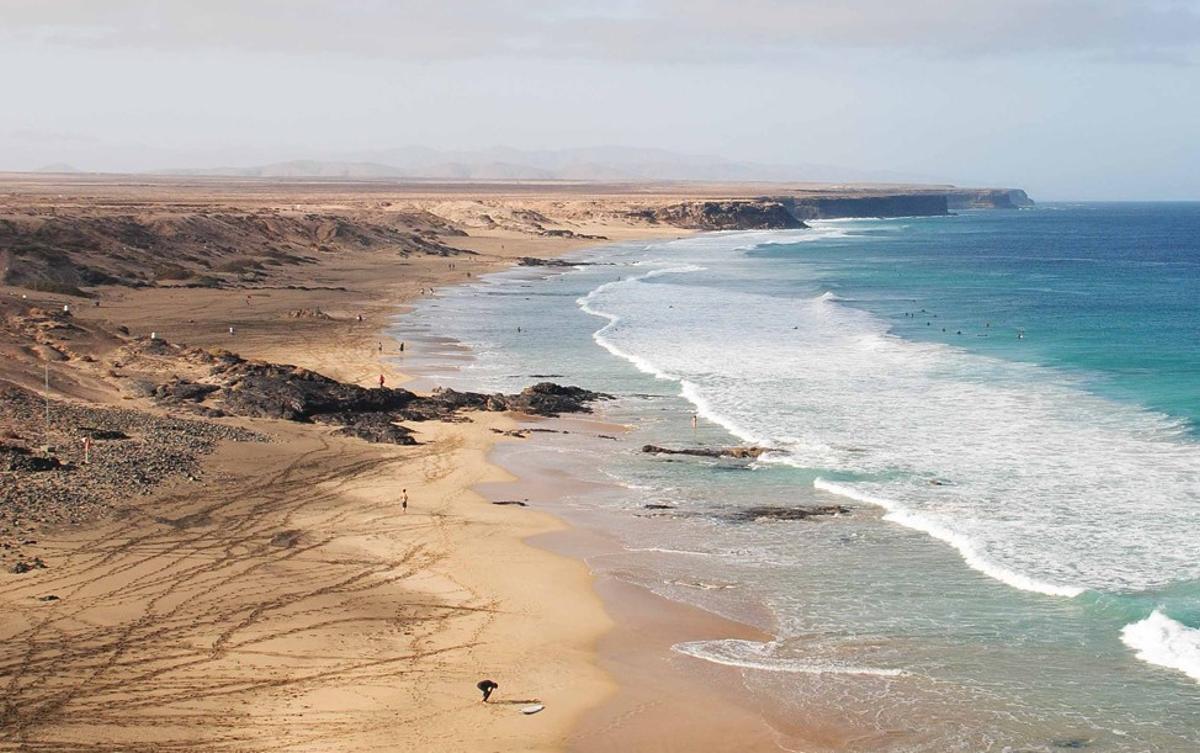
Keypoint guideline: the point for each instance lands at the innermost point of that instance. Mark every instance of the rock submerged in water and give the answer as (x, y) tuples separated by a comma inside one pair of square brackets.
[(774, 512), (741, 453)]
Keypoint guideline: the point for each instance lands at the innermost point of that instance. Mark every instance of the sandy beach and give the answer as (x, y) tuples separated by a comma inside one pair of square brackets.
[(283, 601), (197, 557)]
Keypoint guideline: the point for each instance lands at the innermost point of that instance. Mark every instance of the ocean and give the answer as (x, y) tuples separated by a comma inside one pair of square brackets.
[(1008, 402)]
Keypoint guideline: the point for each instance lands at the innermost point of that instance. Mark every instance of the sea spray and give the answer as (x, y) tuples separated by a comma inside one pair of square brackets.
[(1165, 642)]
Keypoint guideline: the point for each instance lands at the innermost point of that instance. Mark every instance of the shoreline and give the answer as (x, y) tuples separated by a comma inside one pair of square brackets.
[(657, 694)]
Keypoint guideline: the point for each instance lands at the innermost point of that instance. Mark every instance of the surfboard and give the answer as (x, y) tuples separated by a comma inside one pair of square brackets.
[(532, 709)]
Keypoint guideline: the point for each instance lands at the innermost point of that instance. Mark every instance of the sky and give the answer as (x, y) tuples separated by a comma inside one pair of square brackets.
[(1070, 99)]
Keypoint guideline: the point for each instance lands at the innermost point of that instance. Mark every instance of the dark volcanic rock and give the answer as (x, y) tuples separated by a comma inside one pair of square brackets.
[(533, 261), (22, 567), (736, 214), (742, 453), (183, 391), (373, 427), (102, 434), (771, 512), (270, 390), (14, 458), (258, 389), (550, 399)]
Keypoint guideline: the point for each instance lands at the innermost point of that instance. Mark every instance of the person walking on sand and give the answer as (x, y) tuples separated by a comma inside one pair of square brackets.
[(381, 381), (404, 500), (486, 687)]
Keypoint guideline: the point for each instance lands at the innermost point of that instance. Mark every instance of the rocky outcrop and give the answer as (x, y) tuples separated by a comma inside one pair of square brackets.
[(550, 399), (257, 389), (271, 390), (741, 453), (380, 428), (534, 261), (988, 198), (734, 214), (777, 512), (917, 204)]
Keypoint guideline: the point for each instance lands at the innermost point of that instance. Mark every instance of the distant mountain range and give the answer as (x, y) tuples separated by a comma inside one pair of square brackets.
[(591, 164)]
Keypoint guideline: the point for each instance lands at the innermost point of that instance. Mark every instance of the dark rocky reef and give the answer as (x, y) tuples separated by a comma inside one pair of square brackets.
[(741, 453), (776, 512), (257, 389), (733, 214), (534, 261)]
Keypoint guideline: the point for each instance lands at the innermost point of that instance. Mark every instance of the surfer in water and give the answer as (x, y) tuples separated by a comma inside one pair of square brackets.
[(486, 687)]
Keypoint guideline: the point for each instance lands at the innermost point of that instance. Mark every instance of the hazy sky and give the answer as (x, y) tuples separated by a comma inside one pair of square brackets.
[(1068, 98)]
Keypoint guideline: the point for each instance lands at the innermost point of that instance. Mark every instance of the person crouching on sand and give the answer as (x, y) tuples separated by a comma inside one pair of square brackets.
[(486, 687)]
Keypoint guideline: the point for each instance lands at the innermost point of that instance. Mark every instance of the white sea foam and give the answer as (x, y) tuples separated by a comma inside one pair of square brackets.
[(964, 545), (1160, 640), (1036, 482), (585, 304), (667, 550), (761, 656)]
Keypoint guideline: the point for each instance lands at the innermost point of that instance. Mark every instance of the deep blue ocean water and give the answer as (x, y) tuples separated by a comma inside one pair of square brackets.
[(1008, 401)]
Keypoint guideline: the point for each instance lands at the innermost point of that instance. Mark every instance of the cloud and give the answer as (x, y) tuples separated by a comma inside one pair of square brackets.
[(638, 30)]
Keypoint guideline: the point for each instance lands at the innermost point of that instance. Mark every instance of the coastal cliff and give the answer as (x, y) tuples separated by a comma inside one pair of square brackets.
[(988, 198), (916, 204), (745, 214), (782, 212)]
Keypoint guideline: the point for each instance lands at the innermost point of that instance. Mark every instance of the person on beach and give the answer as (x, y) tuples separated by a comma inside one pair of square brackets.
[(695, 421), (401, 346), (404, 500), (486, 687), (381, 381)]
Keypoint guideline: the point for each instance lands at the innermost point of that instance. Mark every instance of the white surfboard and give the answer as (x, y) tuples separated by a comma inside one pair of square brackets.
[(532, 709)]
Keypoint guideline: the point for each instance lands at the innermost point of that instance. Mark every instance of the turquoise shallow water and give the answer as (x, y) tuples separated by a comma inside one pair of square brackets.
[(1009, 402)]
